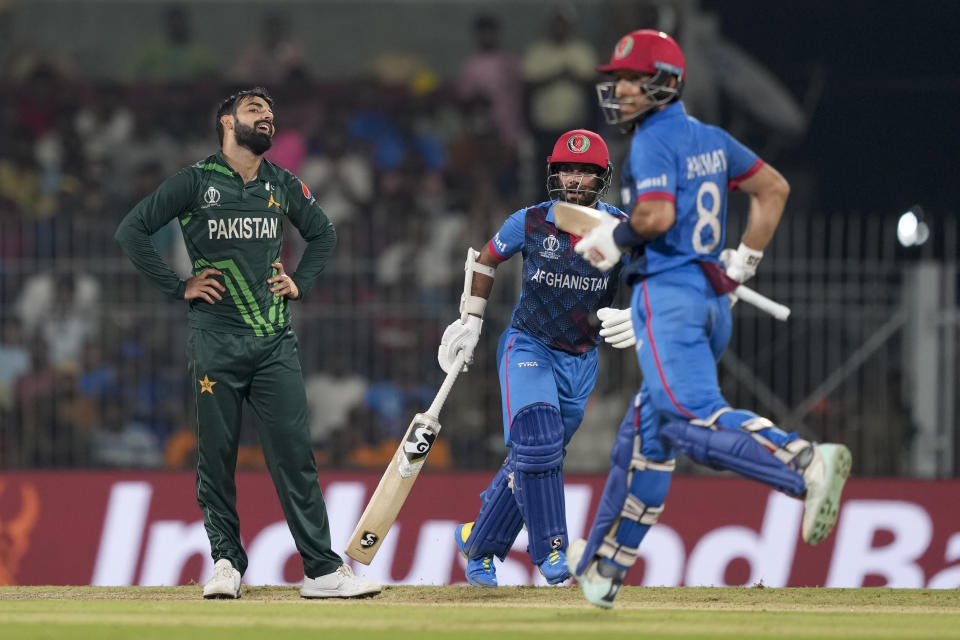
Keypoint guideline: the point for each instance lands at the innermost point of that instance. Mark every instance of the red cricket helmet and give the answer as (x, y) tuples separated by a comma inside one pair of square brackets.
[(579, 146), (649, 52)]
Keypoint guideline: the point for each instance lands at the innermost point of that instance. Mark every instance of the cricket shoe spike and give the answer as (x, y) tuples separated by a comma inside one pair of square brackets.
[(554, 568), (224, 583), (480, 571), (601, 581), (342, 583), (824, 476)]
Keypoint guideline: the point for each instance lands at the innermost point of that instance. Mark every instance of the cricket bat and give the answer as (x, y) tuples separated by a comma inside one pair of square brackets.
[(578, 220), (397, 481)]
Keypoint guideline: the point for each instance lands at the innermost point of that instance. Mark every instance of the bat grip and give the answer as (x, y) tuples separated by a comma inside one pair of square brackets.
[(437, 404), (760, 301)]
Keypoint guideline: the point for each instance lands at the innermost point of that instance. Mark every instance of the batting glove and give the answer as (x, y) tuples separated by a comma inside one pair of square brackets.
[(741, 264), (598, 246), (459, 336), (617, 327)]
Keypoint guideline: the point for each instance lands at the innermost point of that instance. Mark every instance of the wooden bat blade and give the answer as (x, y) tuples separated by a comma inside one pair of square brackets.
[(387, 500), (380, 514), (395, 485), (575, 218)]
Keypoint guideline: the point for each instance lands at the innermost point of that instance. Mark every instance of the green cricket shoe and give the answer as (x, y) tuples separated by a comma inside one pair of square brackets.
[(600, 581), (480, 571), (824, 476)]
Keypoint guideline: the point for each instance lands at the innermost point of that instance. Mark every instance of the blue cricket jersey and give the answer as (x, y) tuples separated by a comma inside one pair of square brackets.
[(678, 158), (560, 289)]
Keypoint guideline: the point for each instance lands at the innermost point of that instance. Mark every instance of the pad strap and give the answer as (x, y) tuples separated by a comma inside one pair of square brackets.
[(758, 427), (786, 453), (640, 462), (632, 499)]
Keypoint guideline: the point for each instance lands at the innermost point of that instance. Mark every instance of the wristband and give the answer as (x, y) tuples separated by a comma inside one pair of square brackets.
[(625, 236)]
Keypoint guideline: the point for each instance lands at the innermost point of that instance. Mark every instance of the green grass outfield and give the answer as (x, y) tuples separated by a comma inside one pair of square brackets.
[(277, 613)]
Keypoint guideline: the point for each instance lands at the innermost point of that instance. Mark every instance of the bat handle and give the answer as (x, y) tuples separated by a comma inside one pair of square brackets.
[(444, 391), (762, 302)]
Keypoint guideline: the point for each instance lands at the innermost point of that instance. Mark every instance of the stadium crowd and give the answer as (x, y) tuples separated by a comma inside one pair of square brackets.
[(413, 166), (91, 373)]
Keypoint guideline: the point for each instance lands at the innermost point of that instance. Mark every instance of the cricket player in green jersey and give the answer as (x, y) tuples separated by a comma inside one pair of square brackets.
[(232, 208)]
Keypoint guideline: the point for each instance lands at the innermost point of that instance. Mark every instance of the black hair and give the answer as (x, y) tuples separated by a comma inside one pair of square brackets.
[(486, 21), (230, 105)]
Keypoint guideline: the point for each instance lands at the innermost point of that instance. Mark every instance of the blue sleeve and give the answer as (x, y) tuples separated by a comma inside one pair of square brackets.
[(653, 170), (509, 239), (741, 161)]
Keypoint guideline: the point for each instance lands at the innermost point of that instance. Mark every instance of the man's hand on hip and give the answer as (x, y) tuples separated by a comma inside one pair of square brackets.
[(204, 286), (283, 285)]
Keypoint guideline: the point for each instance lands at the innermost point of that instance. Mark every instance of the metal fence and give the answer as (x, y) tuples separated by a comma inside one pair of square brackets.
[(845, 367), (93, 371)]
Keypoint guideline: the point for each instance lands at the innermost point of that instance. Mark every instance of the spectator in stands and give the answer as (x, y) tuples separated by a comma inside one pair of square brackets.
[(61, 309), (276, 56), (483, 172), (175, 55), (559, 72), (14, 359), (494, 74), (339, 174), (105, 123)]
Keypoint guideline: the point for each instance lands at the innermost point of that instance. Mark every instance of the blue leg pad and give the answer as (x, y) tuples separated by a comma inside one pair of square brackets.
[(632, 500), (498, 522), (536, 458), (733, 450)]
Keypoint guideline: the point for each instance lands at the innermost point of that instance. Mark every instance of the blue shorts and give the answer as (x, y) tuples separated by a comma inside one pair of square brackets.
[(530, 372)]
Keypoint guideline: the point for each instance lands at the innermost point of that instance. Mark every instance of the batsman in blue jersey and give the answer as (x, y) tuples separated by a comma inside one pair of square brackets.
[(675, 183), (547, 360)]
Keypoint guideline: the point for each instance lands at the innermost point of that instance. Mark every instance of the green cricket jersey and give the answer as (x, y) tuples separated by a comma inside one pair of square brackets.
[(236, 228)]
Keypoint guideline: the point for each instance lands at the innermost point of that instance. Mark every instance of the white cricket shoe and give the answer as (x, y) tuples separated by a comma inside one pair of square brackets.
[(600, 581), (824, 477), (224, 583), (339, 584)]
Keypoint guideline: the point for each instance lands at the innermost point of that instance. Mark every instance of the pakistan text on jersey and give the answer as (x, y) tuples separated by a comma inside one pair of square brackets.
[(705, 164), (242, 228), (567, 281)]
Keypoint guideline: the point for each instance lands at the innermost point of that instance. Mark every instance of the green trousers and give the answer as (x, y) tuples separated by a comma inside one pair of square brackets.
[(265, 371)]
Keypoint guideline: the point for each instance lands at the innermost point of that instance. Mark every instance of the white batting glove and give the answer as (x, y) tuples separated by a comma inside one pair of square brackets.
[(598, 247), (741, 264), (459, 336), (617, 327)]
